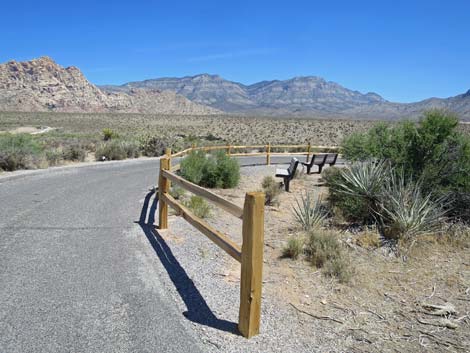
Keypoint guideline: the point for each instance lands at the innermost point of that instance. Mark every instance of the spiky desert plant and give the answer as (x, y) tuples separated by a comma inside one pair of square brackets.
[(364, 180), (307, 212), (406, 211)]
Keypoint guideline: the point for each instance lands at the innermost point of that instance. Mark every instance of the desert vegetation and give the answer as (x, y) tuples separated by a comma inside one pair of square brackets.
[(211, 170), (154, 133)]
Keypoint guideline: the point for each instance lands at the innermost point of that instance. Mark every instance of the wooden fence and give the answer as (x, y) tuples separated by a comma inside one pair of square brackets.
[(250, 254)]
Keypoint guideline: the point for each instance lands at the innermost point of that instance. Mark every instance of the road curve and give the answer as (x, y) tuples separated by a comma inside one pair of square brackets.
[(78, 272)]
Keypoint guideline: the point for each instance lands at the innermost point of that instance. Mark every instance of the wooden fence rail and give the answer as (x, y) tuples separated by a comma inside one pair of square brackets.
[(250, 254)]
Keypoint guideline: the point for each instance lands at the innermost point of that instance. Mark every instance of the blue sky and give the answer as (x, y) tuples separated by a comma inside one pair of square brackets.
[(403, 50)]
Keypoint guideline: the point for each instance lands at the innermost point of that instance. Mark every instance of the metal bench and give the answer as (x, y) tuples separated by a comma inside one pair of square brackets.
[(288, 174), (317, 159), (331, 159), (320, 160)]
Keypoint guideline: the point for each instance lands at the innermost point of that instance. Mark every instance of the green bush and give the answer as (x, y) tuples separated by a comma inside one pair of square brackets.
[(117, 150), (432, 151), (211, 171), (351, 208), (198, 206), (109, 134), (272, 190), (19, 151)]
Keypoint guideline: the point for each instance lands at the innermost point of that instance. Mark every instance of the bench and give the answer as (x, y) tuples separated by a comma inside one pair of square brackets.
[(331, 159), (288, 174), (320, 160), (317, 159)]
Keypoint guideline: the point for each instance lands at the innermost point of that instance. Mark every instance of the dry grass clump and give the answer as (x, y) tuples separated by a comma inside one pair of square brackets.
[(198, 206), (324, 250), (294, 247), (272, 189), (368, 239)]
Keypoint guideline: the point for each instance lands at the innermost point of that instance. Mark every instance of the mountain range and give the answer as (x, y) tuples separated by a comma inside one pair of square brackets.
[(43, 85), (309, 96)]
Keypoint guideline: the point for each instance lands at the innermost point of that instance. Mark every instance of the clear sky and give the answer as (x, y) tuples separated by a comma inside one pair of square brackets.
[(402, 50)]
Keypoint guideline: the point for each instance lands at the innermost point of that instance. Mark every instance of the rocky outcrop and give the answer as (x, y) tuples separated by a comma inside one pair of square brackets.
[(43, 85)]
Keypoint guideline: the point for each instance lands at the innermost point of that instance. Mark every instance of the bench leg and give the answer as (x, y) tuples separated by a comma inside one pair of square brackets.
[(286, 183), (308, 169), (320, 167)]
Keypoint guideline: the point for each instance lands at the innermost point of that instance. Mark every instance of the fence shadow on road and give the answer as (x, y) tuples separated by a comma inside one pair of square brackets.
[(198, 310)]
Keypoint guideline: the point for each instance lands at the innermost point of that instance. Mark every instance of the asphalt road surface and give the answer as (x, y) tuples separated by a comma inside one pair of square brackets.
[(77, 272)]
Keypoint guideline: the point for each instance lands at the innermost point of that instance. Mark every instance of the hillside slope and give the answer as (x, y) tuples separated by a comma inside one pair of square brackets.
[(43, 85)]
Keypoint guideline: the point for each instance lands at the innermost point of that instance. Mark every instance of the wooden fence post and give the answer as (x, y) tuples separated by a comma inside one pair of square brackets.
[(309, 146), (268, 154), (163, 188), (251, 264), (229, 150), (168, 155)]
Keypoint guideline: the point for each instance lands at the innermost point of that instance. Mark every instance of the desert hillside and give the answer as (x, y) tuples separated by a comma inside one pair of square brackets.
[(43, 85)]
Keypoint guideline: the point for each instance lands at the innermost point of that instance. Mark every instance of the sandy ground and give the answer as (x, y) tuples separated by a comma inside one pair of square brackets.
[(383, 309)]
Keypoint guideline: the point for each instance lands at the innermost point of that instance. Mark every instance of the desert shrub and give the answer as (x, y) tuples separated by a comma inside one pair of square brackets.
[(340, 268), (349, 207), (321, 247), (151, 146), (324, 250), (406, 211), (74, 152), (54, 156), (192, 166), (308, 213), (109, 134), (369, 239), (457, 235), (117, 150), (293, 248), (432, 151), (211, 171), (19, 151), (177, 192), (272, 189), (228, 171), (198, 206)]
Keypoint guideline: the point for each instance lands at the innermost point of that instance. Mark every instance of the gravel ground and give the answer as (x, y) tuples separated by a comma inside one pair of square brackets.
[(375, 313), (204, 282)]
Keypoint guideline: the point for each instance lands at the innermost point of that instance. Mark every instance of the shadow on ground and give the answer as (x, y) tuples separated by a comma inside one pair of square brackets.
[(198, 310)]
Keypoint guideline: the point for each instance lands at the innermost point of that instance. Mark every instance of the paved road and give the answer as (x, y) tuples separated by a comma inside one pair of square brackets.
[(77, 271)]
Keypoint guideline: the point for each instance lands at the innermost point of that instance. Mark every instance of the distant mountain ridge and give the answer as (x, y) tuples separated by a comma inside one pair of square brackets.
[(43, 85), (299, 96)]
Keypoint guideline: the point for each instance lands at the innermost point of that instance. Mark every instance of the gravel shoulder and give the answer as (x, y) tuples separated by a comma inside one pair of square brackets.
[(303, 311)]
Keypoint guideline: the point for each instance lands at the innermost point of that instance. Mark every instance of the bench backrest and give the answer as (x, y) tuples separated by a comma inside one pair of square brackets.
[(292, 167), (318, 159), (331, 158)]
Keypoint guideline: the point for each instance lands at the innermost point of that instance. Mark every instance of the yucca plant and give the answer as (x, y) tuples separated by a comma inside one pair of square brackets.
[(407, 212), (364, 179), (308, 213)]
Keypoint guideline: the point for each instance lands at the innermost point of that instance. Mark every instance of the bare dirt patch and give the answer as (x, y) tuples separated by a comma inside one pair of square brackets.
[(421, 303)]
